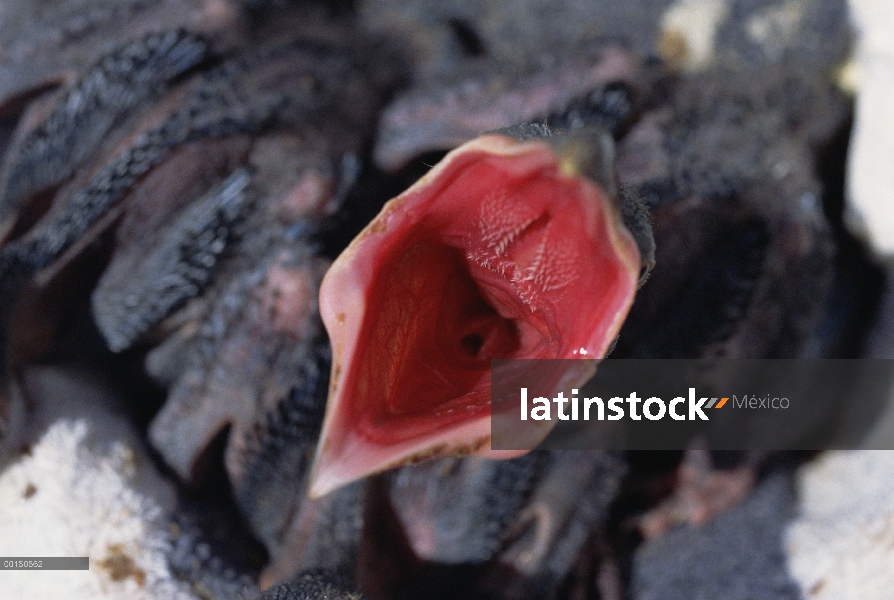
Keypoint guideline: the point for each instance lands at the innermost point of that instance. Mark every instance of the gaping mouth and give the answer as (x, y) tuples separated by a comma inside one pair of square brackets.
[(502, 251)]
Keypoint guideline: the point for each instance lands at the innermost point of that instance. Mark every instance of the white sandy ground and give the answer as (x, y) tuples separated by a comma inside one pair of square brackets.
[(870, 176), (841, 546), (86, 489)]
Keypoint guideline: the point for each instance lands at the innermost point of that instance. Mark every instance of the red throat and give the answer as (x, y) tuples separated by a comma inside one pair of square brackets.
[(496, 253)]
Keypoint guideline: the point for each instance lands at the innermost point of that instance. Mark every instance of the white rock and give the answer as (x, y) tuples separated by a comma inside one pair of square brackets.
[(692, 24), (870, 176), (841, 545), (86, 489)]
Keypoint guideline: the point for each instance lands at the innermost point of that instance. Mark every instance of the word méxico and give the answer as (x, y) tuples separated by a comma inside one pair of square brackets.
[(652, 408)]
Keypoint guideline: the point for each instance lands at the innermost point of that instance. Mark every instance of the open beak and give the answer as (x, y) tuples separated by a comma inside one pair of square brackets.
[(505, 249)]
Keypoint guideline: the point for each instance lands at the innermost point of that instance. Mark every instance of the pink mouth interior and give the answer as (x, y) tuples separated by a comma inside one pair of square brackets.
[(499, 257), (433, 337)]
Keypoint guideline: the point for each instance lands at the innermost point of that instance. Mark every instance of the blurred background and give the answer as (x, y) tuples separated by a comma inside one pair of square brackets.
[(177, 176)]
